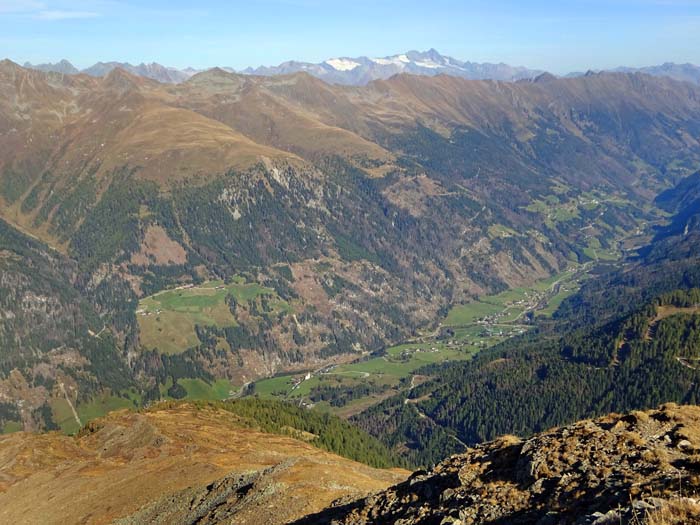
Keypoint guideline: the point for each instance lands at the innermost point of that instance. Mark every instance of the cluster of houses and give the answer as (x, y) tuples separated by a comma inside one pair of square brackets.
[(296, 381), (409, 351), (529, 303)]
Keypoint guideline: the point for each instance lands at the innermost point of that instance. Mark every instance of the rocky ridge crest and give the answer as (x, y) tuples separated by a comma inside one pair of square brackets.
[(643, 467)]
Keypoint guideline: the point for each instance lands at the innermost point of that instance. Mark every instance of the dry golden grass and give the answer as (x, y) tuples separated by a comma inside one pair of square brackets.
[(286, 125), (134, 458), (680, 511), (173, 143)]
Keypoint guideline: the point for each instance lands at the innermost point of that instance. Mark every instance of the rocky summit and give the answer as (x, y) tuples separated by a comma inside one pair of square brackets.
[(643, 467)]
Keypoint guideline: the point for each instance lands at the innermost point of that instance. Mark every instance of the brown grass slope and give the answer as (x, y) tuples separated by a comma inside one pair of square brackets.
[(173, 465), (57, 131), (295, 113), (62, 129), (119, 120)]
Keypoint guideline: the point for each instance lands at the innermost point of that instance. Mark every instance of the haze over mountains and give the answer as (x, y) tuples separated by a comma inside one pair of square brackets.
[(359, 71), (685, 72), (153, 71)]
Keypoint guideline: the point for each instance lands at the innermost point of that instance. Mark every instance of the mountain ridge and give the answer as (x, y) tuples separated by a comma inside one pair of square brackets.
[(360, 71), (635, 468), (154, 71), (342, 218), (191, 463), (334, 70)]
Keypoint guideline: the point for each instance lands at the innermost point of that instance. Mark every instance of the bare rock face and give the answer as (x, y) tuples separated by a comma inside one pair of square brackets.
[(643, 467), (223, 500)]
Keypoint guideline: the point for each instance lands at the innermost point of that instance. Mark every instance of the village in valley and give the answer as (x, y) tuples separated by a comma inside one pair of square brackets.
[(467, 329)]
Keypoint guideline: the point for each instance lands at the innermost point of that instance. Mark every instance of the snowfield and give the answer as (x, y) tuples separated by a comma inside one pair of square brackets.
[(342, 64)]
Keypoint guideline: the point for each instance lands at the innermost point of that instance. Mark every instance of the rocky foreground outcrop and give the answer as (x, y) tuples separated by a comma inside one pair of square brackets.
[(184, 465), (643, 467)]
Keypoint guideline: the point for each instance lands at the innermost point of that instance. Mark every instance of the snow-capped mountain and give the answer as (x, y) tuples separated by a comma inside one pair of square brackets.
[(342, 70), (360, 71)]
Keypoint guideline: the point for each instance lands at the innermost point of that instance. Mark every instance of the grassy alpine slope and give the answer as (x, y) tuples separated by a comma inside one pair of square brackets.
[(179, 462), (368, 211)]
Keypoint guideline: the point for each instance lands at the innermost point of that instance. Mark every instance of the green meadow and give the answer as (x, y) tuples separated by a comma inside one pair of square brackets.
[(217, 390), (167, 319)]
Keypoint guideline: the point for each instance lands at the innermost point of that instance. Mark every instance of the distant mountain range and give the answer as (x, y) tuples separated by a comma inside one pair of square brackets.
[(683, 72), (63, 66), (345, 70), (362, 70), (153, 71)]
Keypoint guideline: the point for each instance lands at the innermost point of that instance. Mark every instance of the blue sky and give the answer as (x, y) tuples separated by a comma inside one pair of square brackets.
[(559, 36)]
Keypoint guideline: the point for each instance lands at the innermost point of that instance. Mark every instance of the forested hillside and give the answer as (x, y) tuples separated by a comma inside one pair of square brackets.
[(232, 227), (629, 339), (53, 341), (321, 430)]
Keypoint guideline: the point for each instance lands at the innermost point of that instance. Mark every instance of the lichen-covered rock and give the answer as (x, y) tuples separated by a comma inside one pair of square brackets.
[(638, 468)]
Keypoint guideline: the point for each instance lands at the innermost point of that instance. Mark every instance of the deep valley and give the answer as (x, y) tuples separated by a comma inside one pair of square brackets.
[(241, 297)]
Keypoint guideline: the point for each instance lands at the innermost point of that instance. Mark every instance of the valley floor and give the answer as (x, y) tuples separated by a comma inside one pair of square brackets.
[(348, 389)]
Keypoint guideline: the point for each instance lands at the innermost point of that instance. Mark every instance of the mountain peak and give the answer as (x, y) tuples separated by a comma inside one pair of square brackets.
[(118, 79), (62, 66), (216, 80), (431, 53), (10, 67), (362, 70), (154, 71), (6, 62), (214, 74), (218, 71), (544, 77)]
